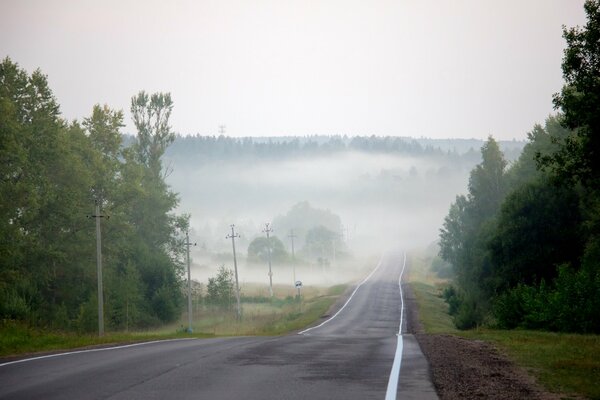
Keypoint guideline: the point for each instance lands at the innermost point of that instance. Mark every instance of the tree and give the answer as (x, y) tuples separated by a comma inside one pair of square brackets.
[(151, 118), (466, 230), (303, 217), (258, 250), (538, 229), (322, 243), (579, 101), (219, 290), (50, 174)]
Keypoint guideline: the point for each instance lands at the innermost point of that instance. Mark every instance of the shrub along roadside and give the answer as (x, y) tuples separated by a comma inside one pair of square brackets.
[(563, 363), (17, 338)]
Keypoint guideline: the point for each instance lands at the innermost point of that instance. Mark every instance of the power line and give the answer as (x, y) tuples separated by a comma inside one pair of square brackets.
[(232, 236), (268, 230)]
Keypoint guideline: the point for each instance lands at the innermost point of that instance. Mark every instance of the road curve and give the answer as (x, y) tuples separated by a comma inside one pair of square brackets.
[(348, 357)]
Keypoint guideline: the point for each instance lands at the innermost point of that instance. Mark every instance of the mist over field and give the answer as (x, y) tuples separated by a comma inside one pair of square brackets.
[(385, 200)]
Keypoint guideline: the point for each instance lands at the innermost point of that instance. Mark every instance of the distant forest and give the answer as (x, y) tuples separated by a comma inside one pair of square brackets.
[(209, 148)]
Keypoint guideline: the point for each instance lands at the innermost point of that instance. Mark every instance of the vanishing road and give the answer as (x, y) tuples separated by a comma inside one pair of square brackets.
[(356, 354)]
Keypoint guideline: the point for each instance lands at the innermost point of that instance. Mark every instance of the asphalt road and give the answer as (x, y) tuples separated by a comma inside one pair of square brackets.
[(348, 357)]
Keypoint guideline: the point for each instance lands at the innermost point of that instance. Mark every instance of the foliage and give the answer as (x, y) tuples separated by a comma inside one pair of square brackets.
[(536, 257), (324, 244), (258, 250), (538, 228), (151, 118), (51, 173), (198, 149), (303, 217), (506, 265), (579, 158), (220, 290), (466, 230), (563, 363), (442, 268)]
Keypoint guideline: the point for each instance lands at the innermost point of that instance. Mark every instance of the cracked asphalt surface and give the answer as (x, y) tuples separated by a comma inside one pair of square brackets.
[(350, 357)]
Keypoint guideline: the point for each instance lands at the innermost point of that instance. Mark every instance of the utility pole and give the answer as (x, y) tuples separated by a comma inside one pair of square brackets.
[(97, 217), (221, 129), (268, 230), (237, 286), (292, 236), (187, 245), (333, 245)]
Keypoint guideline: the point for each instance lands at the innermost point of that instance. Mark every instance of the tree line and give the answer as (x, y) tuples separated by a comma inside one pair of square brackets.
[(52, 172), (524, 242), (199, 149)]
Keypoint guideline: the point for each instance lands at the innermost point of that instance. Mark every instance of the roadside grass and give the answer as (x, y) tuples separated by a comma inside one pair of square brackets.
[(17, 338), (264, 316), (281, 315), (562, 363)]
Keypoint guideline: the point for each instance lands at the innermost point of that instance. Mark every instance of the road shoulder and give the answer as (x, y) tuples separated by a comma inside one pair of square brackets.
[(470, 369)]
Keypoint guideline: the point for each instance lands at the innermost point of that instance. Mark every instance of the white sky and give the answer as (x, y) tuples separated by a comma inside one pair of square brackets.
[(433, 68)]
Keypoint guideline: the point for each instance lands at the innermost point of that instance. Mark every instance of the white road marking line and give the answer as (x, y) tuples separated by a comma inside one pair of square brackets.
[(90, 351), (347, 301), (392, 387)]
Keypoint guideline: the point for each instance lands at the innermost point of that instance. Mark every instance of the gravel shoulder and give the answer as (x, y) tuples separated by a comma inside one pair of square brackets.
[(470, 369)]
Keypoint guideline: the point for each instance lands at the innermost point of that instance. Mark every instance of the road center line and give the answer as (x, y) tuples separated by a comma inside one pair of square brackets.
[(392, 387), (90, 351), (347, 301)]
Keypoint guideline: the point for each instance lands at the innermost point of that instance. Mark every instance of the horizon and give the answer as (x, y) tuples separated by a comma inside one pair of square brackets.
[(462, 70)]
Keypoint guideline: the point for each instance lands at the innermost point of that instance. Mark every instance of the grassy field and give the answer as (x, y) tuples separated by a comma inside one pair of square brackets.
[(265, 317), (282, 315), (563, 363)]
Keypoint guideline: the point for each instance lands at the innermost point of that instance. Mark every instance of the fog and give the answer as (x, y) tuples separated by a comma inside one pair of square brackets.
[(384, 201)]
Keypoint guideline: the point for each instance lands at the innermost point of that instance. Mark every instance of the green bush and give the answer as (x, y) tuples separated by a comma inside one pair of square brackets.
[(12, 305), (451, 297), (571, 304)]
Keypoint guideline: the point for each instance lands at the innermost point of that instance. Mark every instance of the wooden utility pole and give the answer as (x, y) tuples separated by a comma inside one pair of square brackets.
[(97, 217), (187, 245), (268, 230), (232, 236)]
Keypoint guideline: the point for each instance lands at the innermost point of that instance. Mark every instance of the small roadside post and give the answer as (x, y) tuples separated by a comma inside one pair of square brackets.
[(298, 285)]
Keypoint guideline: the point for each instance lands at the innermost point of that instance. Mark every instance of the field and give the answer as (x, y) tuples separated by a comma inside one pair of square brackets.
[(563, 363), (264, 316)]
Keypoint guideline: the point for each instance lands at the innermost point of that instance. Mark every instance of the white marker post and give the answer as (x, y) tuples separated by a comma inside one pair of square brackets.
[(298, 285)]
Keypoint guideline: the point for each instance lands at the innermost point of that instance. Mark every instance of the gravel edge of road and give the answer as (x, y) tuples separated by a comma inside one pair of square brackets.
[(470, 369)]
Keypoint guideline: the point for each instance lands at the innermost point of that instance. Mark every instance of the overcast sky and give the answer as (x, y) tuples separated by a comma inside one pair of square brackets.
[(432, 68)]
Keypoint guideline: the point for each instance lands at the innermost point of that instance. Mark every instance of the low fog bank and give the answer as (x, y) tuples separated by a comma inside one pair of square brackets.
[(384, 201)]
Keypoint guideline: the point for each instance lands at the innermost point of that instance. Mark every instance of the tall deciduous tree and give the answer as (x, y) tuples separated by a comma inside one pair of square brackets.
[(50, 174), (469, 224), (151, 115), (579, 100), (258, 250)]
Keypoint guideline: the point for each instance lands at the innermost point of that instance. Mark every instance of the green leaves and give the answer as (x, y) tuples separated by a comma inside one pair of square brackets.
[(50, 174), (151, 118)]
